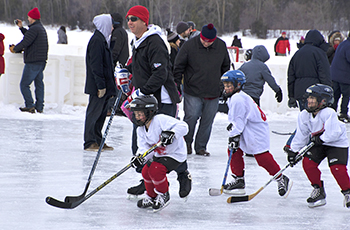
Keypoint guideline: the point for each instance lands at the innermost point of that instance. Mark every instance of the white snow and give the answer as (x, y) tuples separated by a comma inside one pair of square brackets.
[(41, 155)]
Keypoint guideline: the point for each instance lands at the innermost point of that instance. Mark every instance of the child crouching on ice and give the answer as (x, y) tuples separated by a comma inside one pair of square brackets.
[(152, 129), (320, 122), (249, 133)]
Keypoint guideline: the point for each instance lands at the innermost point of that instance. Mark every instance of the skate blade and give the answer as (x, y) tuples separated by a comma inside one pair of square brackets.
[(317, 203), (290, 185), (157, 210), (235, 192)]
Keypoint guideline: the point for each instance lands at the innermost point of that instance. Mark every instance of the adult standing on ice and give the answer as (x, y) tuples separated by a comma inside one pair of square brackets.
[(35, 46), (152, 74), (100, 84)]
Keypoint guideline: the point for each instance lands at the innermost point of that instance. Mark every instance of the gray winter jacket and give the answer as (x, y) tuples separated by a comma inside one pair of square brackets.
[(257, 73)]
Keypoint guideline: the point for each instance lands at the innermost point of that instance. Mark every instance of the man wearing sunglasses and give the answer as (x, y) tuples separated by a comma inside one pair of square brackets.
[(152, 74)]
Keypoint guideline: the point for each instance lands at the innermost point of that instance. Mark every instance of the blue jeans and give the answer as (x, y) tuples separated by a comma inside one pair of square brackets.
[(195, 108), (33, 72)]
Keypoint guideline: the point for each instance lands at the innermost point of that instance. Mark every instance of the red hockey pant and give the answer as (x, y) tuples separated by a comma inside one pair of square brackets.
[(155, 178)]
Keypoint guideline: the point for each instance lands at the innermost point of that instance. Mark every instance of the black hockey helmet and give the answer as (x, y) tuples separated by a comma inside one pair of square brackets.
[(323, 94), (146, 103), (248, 54)]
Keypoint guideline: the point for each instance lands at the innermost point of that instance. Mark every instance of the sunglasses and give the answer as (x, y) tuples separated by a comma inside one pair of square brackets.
[(132, 18)]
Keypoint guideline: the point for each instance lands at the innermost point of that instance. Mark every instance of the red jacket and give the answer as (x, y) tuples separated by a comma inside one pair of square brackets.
[(281, 45), (2, 49)]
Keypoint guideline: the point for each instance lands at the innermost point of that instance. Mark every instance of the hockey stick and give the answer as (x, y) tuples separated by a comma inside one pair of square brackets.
[(234, 199), (76, 202), (218, 192), (281, 133), (71, 199)]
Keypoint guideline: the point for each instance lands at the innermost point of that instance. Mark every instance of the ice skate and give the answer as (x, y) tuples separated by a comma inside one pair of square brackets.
[(161, 201), (284, 186), (344, 118), (146, 202), (236, 186), (317, 196), (134, 192), (185, 181), (346, 198)]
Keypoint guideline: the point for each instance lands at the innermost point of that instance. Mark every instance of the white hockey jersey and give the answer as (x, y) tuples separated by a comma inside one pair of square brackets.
[(334, 131), (146, 139), (250, 122)]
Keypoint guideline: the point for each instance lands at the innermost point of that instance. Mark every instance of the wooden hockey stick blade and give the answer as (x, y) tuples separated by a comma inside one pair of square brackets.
[(235, 199), (215, 192)]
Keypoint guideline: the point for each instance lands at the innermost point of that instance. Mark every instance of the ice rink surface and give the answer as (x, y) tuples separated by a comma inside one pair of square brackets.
[(41, 155)]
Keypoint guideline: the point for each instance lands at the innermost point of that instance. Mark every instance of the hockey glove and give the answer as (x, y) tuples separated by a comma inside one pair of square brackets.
[(317, 140), (291, 156), (167, 137), (122, 79), (278, 95), (137, 161), (292, 103), (135, 94), (233, 142), (11, 48)]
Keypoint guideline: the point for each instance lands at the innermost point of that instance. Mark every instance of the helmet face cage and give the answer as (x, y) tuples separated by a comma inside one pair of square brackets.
[(323, 95), (234, 76), (145, 103), (248, 54)]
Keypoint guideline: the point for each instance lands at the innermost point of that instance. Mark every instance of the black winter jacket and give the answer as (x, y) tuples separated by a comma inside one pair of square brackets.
[(201, 68), (308, 66), (151, 68), (99, 66), (34, 43), (119, 45)]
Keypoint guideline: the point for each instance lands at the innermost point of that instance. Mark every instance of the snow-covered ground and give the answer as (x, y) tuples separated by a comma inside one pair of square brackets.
[(41, 155)]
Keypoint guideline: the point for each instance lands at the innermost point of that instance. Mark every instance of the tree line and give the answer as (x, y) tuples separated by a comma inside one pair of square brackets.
[(258, 16)]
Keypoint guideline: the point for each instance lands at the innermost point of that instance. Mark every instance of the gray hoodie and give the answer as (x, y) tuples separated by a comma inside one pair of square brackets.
[(257, 73), (103, 23)]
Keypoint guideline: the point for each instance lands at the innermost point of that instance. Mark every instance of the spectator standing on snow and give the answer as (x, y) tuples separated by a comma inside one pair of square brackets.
[(340, 73), (35, 46), (2, 50), (62, 36), (334, 39), (100, 84), (183, 30), (301, 42), (200, 63), (236, 42), (174, 42), (281, 45), (257, 73), (193, 31)]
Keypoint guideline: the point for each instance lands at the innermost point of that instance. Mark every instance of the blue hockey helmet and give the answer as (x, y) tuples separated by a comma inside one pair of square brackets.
[(234, 76)]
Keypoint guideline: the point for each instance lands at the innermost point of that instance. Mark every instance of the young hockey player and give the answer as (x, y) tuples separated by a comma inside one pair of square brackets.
[(249, 133), (166, 158), (321, 123)]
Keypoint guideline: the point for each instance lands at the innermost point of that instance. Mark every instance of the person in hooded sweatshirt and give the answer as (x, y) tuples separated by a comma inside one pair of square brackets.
[(257, 73), (99, 85), (308, 66)]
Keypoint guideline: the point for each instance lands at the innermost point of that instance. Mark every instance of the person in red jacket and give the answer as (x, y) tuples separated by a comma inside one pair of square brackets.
[(2, 49), (281, 45)]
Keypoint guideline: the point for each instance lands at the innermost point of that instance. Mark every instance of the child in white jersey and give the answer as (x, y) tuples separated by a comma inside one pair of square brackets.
[(319, 123), (152, 129), (249, 133)]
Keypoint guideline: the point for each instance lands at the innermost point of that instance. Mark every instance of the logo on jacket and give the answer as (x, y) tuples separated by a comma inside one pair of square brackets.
[(156, 65)]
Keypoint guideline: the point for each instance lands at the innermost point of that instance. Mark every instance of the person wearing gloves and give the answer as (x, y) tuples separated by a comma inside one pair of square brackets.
[(153, 127), (100, 84), (257, 73)]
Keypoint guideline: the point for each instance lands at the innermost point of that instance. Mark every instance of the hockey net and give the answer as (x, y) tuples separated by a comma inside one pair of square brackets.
[(236, 54)]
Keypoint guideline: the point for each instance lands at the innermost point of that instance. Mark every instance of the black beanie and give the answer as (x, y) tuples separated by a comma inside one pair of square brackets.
[(117, 19), (171, 36), (181, 27)]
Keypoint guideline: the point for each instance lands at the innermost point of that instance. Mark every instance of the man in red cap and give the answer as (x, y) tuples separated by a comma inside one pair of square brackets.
[(35, 46), (281, 45), (152, 74), (200, 63)]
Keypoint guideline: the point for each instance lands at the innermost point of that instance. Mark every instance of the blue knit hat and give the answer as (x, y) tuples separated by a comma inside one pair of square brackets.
[(208, 33)]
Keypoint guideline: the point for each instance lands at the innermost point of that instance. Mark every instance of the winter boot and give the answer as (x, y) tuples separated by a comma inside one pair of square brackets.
[(185, 181), (236, 186), (346, 198), (145, 202), (137, 190), (284, 185), (317, 196), (161, 201)]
